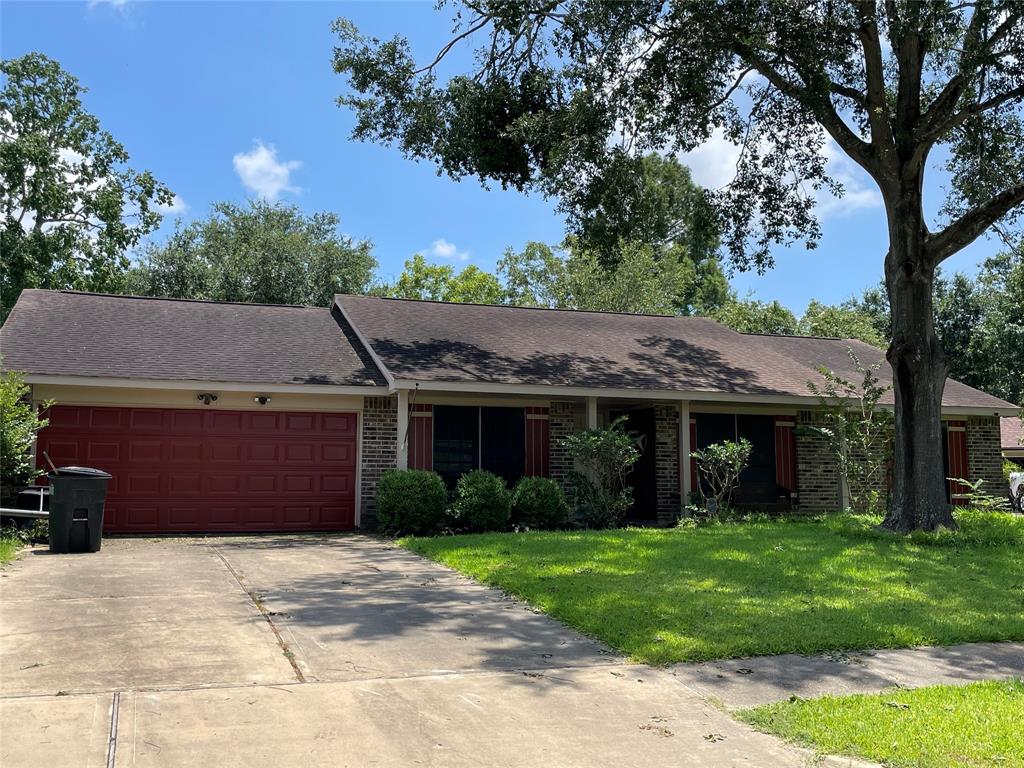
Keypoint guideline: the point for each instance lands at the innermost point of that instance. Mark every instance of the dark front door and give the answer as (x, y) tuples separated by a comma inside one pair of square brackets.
[(642, 478)]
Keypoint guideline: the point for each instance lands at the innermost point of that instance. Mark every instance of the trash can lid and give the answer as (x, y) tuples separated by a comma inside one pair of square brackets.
[(81, 472)]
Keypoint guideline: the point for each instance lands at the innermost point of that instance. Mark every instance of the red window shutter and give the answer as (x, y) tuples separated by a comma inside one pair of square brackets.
[(536, 464), (421, 437), (785, 453), (956, 436)]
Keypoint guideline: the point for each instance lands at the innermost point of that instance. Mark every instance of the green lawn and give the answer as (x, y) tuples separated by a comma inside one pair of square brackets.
[(9, 546), (972, 725), (751, 588)]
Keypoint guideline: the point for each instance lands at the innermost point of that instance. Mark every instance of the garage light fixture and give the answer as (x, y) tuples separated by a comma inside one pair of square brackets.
[(261, 399), (206, 398)]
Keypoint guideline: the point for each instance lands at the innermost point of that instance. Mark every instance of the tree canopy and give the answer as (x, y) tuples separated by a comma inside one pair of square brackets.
[(440, 282), (264, 252), (72, 207), (563, 94)]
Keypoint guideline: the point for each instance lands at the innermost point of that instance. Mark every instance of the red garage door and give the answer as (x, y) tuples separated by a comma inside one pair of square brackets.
[(205, 470)]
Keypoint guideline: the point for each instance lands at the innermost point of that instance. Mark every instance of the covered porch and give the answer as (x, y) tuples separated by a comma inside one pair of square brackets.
[(514, 437)]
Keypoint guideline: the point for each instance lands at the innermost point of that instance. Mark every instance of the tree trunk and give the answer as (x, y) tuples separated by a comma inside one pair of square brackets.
[(919, 367)]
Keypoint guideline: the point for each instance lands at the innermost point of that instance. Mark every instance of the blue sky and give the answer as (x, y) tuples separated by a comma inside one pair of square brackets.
[(224, 101)]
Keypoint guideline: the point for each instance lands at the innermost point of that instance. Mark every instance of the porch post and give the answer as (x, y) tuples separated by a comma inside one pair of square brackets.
[(685, 481), (591, 413), (403, 429)]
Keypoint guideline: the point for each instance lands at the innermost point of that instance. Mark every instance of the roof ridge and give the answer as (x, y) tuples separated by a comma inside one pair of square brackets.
[(183, 301), (521, 306)]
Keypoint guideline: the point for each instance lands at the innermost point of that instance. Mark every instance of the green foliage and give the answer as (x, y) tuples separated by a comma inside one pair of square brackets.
[(411, 501), (719, 466), (482, 502), (19, 424), (758, 587), (751, 316), (440, 282), (642, 279), (981, 527), (267, 253), (71, 205), (968, 725), (539, 503), (858, 431), (603, 458), (978, 496), (841, 321)]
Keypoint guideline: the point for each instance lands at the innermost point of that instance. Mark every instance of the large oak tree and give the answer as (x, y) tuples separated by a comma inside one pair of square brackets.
[(558, 93)]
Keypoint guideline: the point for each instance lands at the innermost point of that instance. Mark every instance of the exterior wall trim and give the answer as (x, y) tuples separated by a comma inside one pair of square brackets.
[(695, 396), (224, 386)]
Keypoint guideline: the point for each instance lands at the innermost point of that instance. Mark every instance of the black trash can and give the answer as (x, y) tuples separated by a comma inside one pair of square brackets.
[(77, 495)]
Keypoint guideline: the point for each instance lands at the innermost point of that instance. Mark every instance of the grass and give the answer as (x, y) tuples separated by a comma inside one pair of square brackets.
[(9, 546), (760, 587), (970, 725)]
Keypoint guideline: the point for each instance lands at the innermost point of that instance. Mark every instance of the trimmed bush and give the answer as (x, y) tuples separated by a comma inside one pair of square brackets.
[(482, 502), (539, 502), (411, 501)]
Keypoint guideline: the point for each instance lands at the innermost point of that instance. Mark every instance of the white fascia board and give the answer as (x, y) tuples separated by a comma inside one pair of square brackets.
[(695, 396), (222, 386), (388, 377)]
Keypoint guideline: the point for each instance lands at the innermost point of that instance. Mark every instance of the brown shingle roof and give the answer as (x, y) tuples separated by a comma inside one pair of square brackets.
[(86, 334), (437, 342), (1011, 431)]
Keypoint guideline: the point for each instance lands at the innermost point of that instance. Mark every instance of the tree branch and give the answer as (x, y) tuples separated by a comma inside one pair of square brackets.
[(851, 143), (940, 110), (874, 70), (968, 227)]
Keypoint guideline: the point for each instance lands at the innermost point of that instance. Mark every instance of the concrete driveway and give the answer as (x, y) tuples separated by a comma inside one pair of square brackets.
[(317, 651)]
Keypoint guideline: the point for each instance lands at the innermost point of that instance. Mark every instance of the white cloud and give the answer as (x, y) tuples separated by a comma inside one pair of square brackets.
[(176, 207), (119, 5), (442, 249), (262, 173), (713, 165)]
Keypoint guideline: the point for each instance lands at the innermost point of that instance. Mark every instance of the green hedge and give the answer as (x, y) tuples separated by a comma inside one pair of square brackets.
[(539, 502), (411, 501), (482, 502)]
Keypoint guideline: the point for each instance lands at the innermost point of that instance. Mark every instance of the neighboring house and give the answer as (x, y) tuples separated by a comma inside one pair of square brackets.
[(239, 417), (1011, 430)]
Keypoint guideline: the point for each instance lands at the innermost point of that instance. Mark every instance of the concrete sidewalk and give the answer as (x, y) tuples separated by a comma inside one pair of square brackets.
[(739, 683)]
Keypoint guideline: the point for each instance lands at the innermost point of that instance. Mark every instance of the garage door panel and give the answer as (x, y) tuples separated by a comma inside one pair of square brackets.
[(193, 470)]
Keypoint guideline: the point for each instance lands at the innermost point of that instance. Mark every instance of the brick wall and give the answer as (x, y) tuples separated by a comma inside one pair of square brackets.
[(817, 476), (984, 459), (562, 419), (666, 462), (379, 452)]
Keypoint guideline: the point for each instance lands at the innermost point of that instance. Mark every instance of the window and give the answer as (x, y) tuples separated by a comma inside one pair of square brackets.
[(757, 481), (471, 437)]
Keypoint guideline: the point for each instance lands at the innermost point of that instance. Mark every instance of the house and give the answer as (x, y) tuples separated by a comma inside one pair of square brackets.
[(1012, 439), (238, 417)]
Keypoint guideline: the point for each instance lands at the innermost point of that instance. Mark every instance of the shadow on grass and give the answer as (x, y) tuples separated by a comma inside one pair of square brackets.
[(752, 588)]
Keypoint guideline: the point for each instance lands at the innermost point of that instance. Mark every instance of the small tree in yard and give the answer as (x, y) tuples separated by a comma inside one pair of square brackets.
[(566, 98), (19, 424), (859, 433), (719, 466), (603, 458)]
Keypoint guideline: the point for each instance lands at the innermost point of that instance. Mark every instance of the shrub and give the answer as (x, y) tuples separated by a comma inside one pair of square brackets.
[(539, 502), (19, 423), (720, 465), (482, 502), (600, 494), (411, 501)]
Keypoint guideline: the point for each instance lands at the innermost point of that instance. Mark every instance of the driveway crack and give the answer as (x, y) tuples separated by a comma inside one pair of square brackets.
[(267, 615)]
